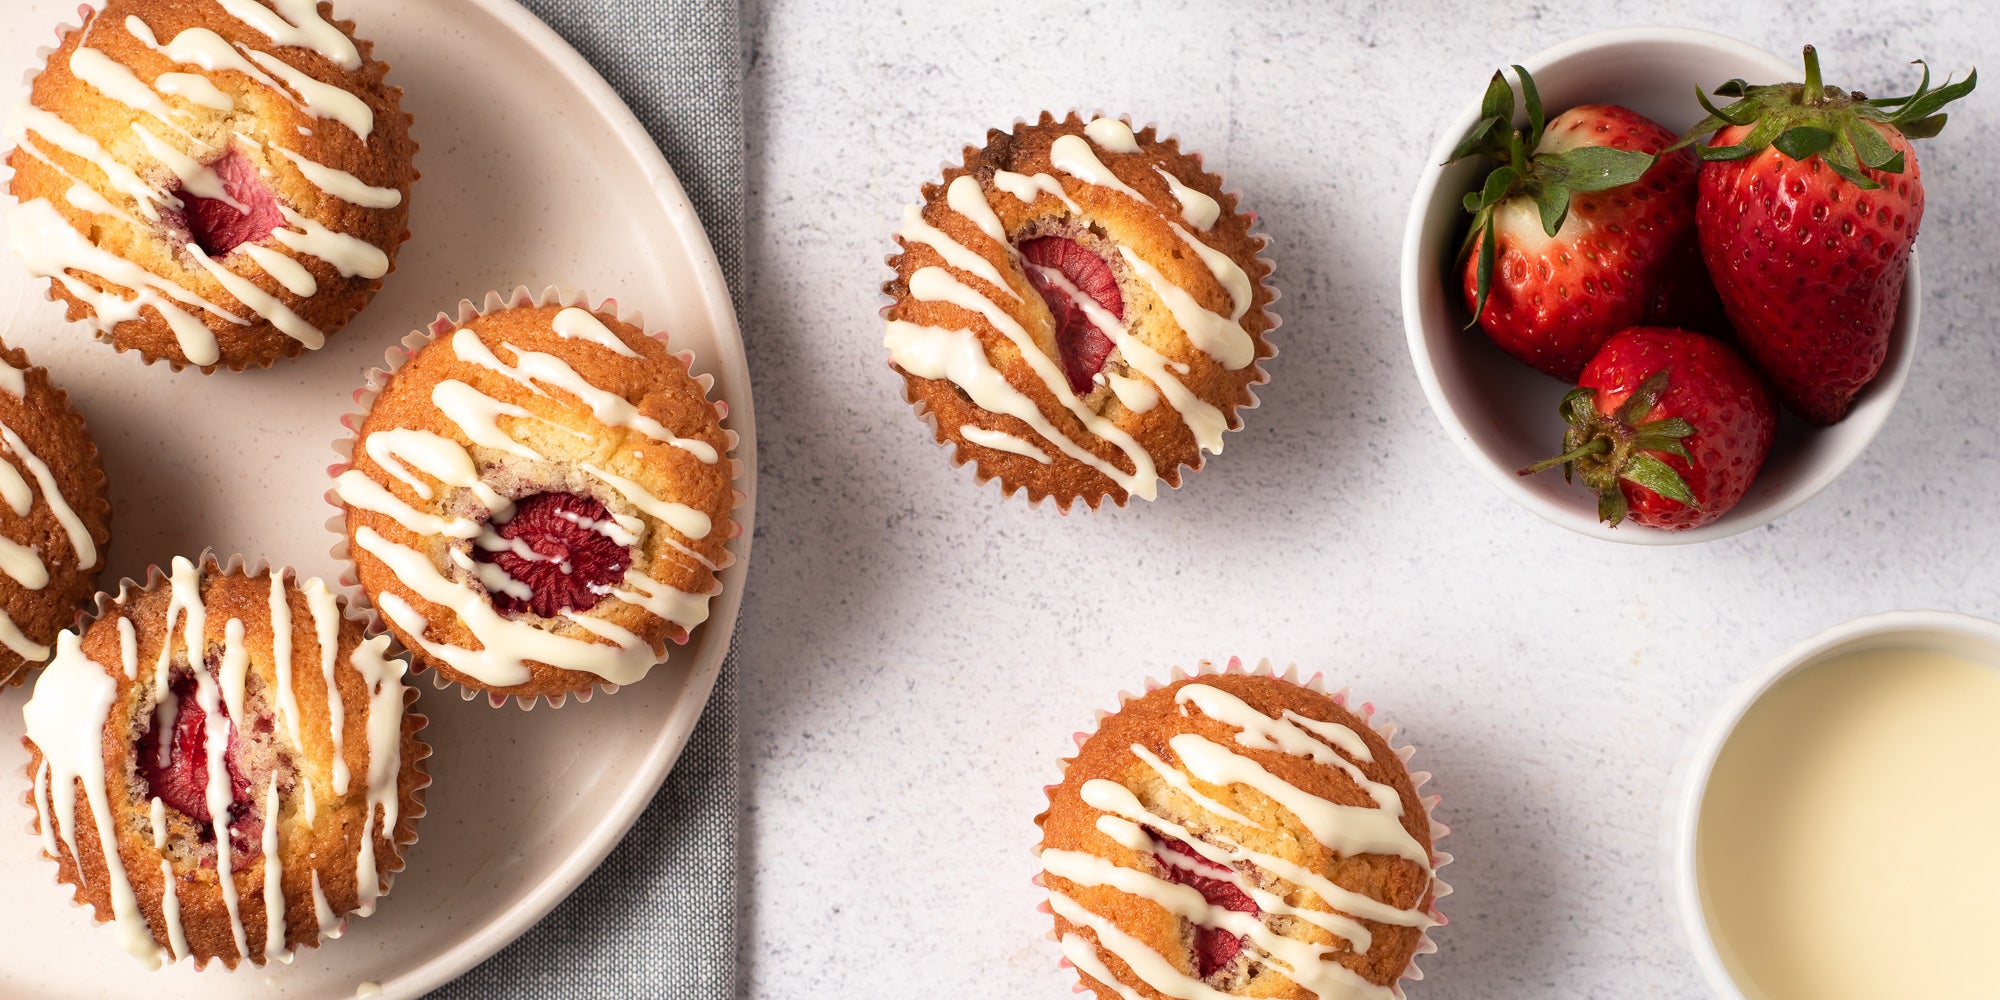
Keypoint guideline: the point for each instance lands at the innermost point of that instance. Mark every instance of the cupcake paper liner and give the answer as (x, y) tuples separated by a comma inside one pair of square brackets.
[(373, 382), (967, 457), (208, 563), (63, 30), (1316, 684), (98, 487)]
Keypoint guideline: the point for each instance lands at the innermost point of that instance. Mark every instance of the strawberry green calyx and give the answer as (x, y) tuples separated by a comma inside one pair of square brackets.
[(1802, 120), (1548, 178), (1604, 449)]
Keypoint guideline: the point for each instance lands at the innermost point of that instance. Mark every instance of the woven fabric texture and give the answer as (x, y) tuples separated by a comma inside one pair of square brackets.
[(659, 918)]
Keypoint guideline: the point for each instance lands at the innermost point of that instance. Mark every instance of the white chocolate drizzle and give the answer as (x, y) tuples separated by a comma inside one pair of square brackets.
[(916, 230), (1027, 189), (274, 882), (25, 564), (1346, 831), (341, 184), (1197, 209), (194, 89), (114, 80), (1073, 156), (68, 716), (65, 721), (964, 196), (297, 22), (578, 324), (987, 437), (1112, 135)]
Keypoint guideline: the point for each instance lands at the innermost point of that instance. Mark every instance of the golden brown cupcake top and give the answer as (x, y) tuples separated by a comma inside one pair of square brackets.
[(1237, 833), (212, 182), (55, 515), (1081, 310), (223, 766), (539, 500)]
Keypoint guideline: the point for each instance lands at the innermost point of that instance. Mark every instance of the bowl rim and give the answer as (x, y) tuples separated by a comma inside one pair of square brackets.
[(1884, 391), (1698, 763)]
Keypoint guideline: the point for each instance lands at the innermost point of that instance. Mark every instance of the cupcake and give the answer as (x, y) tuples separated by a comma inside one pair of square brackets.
[(244, 750), (54, 514), (1079, 310), (1239, 834), (216, 183), (538, 499)]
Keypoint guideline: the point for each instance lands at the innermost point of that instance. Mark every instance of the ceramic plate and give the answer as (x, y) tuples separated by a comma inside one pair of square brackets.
[(533, 173)]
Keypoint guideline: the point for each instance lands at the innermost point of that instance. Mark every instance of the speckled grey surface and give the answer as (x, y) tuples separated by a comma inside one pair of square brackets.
[(917, 651)]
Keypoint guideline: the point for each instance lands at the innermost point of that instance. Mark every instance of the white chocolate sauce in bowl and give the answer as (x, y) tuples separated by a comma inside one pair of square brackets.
[(1842, 846)]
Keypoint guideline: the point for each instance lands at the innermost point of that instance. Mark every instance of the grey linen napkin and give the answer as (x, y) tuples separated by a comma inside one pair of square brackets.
[(670, 887)]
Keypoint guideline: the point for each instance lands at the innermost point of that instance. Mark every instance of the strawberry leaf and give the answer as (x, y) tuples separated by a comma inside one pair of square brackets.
[(1923, 128), (1533, 99), (1498, 101), (1595, 168), (1803, 141), (1841, 159), (1611, 507), (1481, 138), (1874, 151), (1648, 471), (1484, 270), (1553, 201)]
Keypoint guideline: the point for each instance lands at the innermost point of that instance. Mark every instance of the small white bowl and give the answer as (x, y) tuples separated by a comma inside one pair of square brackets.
[(1501, 412), (1974, 638)]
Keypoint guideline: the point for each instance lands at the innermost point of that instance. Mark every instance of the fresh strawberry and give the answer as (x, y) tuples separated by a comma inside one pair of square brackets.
[(1810, 200), (1056, 262), (1580, 232), (1668, 427)]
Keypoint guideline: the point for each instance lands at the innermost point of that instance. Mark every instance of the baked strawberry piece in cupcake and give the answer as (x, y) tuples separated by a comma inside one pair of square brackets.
[(223, 766), (538, 500), (55, 516), (1238, 834), (1079, 310), (216, 183)]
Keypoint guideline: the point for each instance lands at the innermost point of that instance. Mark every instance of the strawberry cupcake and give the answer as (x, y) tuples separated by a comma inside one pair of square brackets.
[(538, 498), (55, 516), (1079, 310), (222, 766), (215, 183), (1240, 834)]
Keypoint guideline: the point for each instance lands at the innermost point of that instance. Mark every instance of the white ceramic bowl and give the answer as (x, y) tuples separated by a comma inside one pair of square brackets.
[(1503, 413), (1973, 638)]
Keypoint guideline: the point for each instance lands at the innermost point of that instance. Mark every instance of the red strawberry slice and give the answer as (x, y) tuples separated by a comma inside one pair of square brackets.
[(1213, 946), (181, 781), (570, 557), (1081, 345), (217, 226)]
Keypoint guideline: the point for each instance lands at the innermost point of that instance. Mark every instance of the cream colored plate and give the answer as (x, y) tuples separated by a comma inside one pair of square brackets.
[(533, 173)]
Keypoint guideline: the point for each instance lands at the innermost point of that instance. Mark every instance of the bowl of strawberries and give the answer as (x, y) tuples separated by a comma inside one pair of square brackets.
[(1660, 284)]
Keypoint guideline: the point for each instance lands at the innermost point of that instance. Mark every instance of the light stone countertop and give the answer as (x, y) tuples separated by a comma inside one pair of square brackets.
[(917, 651)]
